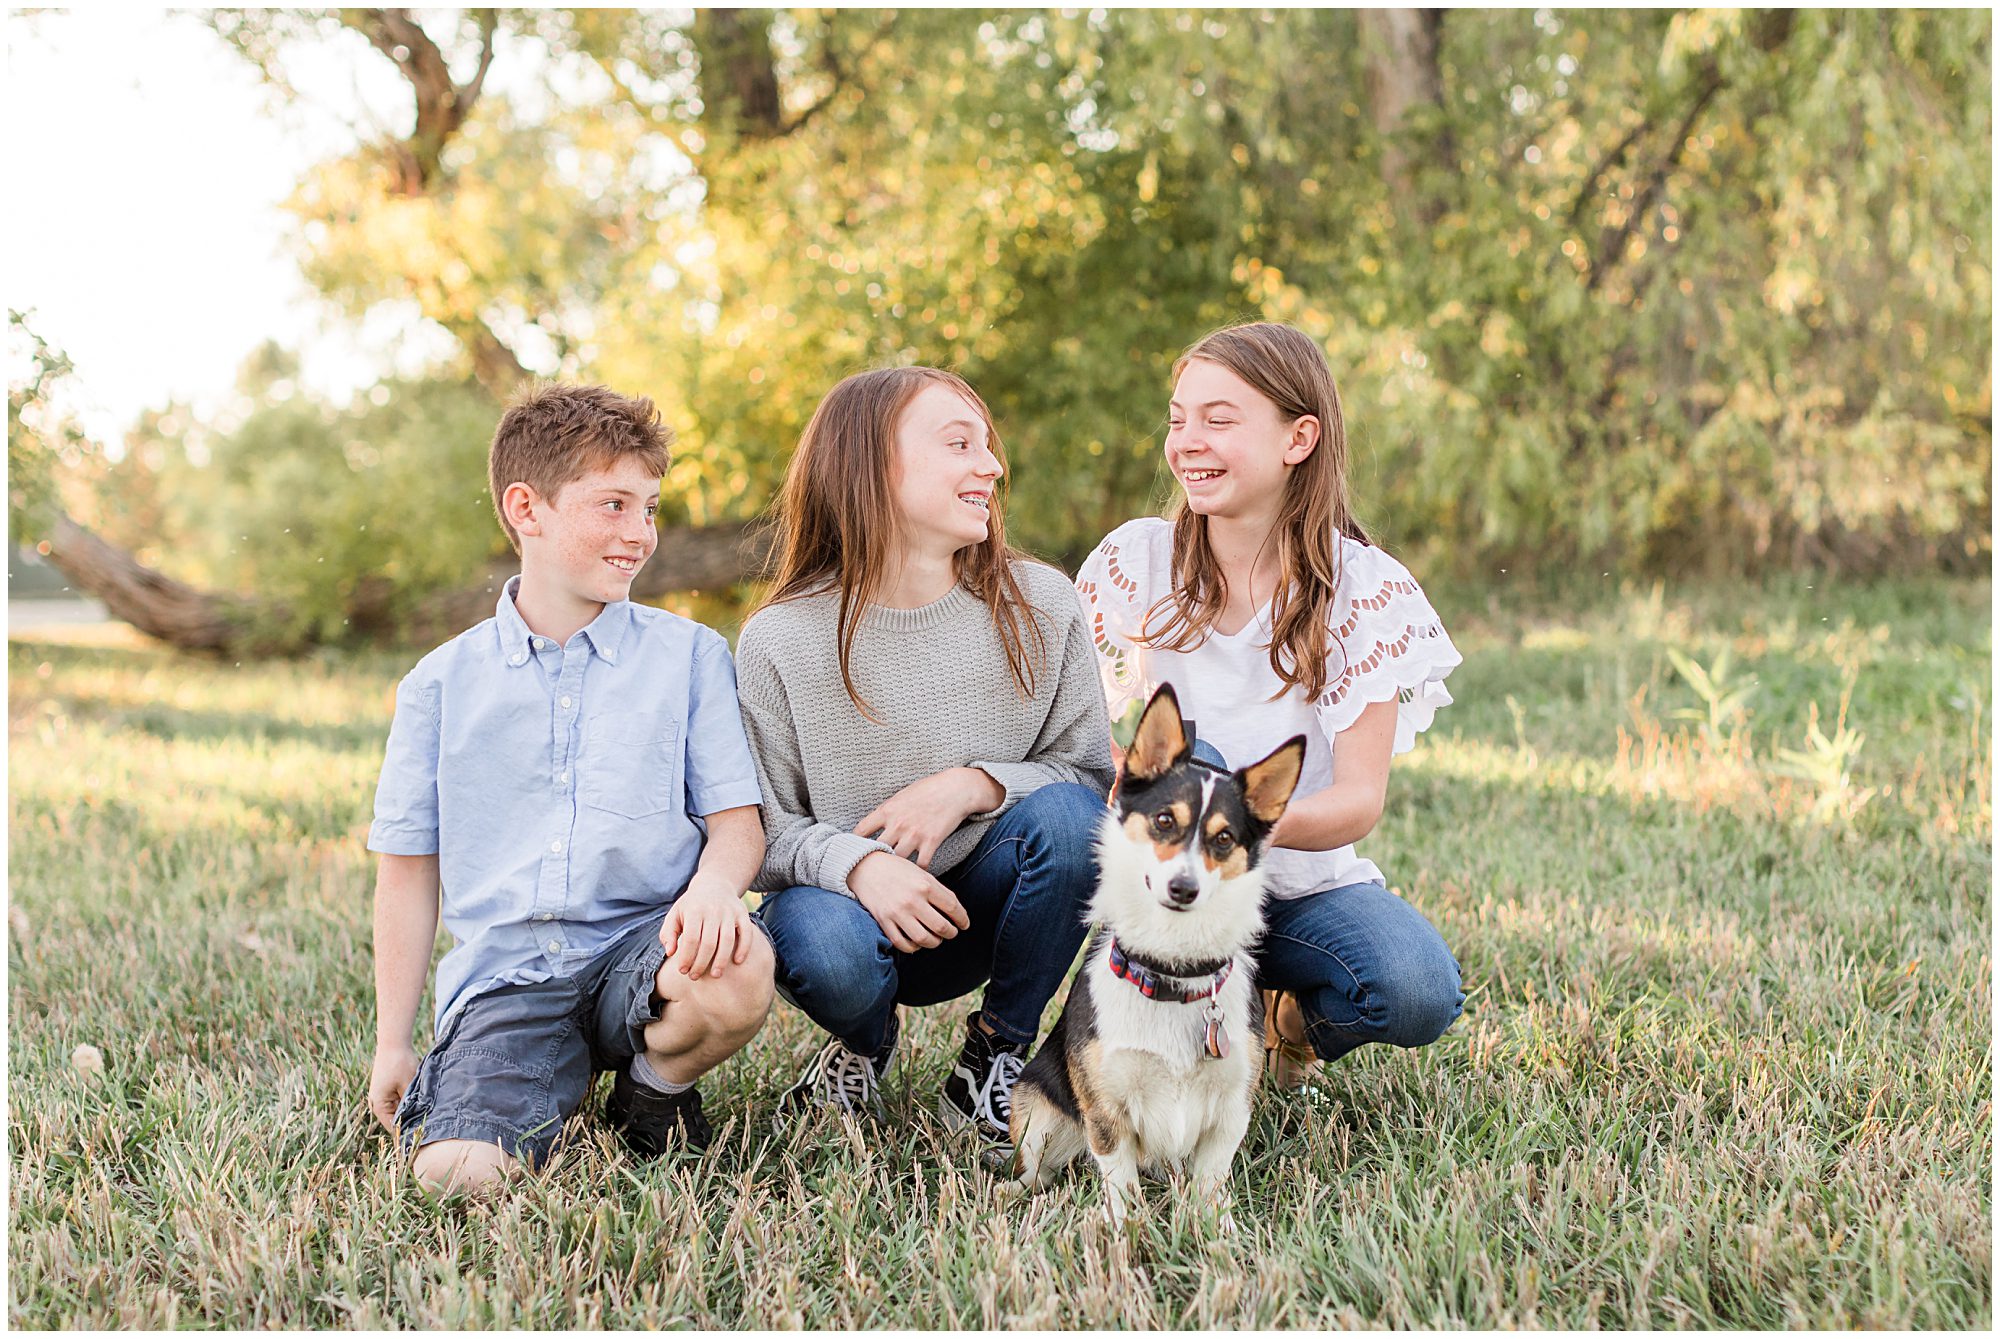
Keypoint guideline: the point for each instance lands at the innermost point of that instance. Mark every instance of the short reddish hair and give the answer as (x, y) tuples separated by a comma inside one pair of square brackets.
[(553, 434)]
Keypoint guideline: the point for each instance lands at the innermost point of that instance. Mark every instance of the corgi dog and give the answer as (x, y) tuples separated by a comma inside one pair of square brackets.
[(1158, 1048)]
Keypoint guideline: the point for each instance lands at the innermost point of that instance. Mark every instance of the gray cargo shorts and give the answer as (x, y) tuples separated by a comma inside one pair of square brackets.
[(516, 1062)]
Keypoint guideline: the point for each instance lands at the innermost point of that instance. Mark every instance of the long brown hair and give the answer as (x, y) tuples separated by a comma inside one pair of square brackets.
[(838, 523), (1287, 368)]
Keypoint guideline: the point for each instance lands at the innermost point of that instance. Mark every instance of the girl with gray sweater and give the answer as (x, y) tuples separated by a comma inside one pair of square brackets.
[(923, 705)]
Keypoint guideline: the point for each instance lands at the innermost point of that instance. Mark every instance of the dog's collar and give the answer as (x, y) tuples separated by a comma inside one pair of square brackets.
[(1181, 986)]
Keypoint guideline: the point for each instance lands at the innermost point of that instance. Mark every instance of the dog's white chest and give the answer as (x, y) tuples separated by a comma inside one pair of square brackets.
[(1170, 1121), (1156, 1066)]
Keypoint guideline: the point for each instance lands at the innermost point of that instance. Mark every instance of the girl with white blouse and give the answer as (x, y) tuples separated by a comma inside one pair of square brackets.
[(1264, 604)]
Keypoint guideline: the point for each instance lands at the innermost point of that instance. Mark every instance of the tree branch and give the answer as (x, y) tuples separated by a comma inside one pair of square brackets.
[(839, 72), (489, 23), (1611, 244), (441, 104), (739, 79), (494, 365), (393, 30), (1605, 166)]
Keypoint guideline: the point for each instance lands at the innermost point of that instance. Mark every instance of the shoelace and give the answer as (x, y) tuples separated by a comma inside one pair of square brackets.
[(850, 1078), (996, 1095)]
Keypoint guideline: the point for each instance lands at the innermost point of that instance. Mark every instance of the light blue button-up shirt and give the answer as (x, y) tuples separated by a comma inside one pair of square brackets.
[(559, 786)]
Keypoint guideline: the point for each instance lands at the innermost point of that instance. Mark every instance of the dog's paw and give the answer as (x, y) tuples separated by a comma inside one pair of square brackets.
[(1007, 1192)]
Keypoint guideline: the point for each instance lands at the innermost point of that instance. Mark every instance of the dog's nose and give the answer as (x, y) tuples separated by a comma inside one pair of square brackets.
[(1181, 889)]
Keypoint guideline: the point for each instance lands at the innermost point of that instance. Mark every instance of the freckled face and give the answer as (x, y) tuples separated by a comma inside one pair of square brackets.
[(598, 531), (1226, 442), (945, 471)]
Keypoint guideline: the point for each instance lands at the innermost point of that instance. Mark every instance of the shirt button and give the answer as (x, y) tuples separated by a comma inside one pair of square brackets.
[(555, 946), (562, 776), (546, 916), (518, 658), (565, 702), (555, 846)]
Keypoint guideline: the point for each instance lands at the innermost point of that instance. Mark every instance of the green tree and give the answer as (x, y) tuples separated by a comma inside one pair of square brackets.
[(345, 517), (42, 440), (1654, 289)]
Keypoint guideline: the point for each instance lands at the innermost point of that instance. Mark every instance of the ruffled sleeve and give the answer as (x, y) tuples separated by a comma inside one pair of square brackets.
[(1391, 645), (1113, 584)]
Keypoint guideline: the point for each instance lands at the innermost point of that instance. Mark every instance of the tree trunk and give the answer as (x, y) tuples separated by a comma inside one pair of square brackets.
[(739, 80), (156, 604), (416, 162), (1402, 52), (707, 558), (494, 366)]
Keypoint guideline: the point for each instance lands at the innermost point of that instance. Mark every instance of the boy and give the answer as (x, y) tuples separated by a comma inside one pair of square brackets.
[(553, 771)]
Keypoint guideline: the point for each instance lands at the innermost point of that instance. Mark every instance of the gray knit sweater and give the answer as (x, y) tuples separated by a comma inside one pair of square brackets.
[(937, 679)]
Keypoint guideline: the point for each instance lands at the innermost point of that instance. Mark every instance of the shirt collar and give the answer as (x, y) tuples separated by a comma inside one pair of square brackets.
[(606, 632)]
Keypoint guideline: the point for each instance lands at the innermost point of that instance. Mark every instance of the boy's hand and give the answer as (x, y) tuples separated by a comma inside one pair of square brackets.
[(916, 819), (388, 1079), (914, 910), (706, 929)]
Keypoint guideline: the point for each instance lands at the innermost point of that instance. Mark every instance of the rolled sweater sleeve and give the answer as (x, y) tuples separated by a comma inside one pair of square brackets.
[(1075, 739), (797, 848)]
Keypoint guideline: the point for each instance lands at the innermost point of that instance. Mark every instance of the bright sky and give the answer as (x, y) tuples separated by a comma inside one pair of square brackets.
[(147, 169)]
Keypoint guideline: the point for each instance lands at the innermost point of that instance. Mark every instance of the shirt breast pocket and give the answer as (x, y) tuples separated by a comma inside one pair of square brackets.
[(631, 764)]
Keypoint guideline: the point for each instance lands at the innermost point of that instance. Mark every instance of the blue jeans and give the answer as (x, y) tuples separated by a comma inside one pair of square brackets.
[(1364, 964), (1025, 888)]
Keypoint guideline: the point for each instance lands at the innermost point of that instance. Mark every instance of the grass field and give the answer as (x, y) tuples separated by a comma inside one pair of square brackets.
[(1726, 1058)]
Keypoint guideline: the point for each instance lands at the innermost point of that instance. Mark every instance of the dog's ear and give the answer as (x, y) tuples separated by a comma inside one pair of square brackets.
[(1160, 743), (1268, 785)]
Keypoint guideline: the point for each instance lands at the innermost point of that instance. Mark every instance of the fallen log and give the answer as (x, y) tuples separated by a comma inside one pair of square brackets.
[(703, 558)]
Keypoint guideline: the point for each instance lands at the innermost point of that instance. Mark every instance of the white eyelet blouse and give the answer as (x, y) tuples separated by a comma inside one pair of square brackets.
[(1391, 645)]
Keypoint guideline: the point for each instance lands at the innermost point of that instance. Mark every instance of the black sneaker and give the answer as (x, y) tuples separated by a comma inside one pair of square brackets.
[(646, 1118), (980, 1089), (844, 1079)]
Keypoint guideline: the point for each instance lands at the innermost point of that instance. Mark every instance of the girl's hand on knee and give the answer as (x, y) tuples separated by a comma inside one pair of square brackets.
[(916, 819), (388, 1079), (914, 910)]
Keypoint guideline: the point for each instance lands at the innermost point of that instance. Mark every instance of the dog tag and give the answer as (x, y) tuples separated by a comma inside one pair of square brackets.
[(1216, 1041)]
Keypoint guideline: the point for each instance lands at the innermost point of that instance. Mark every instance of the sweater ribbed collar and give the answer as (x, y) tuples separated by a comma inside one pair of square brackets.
[(948, 608)]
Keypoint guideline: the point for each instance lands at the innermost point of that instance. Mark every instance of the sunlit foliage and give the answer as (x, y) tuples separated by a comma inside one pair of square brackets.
[(1651, 290)]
